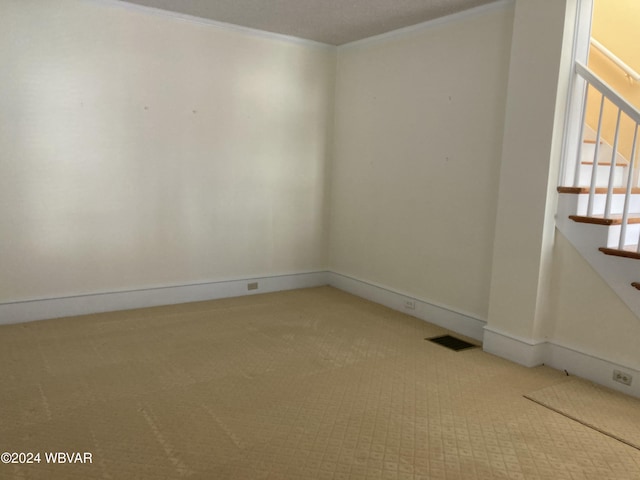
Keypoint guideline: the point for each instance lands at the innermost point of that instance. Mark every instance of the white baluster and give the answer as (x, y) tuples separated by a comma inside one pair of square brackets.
[(627, 195), (594, 171), (576, 175), (612, 170)]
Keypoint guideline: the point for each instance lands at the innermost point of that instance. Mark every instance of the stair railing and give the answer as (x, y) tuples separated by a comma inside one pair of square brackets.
[(623, 107), (628, 71), (627, 195)]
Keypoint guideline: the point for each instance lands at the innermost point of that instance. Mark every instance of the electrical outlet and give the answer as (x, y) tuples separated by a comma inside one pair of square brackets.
[(622, 377), (410, 304), (252, 286)]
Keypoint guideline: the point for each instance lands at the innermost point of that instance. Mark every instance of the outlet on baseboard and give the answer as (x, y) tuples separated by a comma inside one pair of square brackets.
[(410, 304), (252, 286), (622, 377)]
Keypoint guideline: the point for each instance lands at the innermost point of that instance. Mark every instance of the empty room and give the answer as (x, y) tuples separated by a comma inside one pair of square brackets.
[(304, 239)]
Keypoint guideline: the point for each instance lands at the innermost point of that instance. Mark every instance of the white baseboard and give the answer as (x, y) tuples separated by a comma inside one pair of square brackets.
[(523, 351), (591, 367), (25, 311), (561, 357), (456, 321), (529, 353)]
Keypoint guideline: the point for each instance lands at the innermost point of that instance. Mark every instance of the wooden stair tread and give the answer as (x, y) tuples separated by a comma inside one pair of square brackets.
[(599, 190), (593, 142), (606, 163), (629, 251), (615, 219)]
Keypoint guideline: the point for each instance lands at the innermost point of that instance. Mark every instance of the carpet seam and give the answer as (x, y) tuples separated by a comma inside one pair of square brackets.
[(582, 422)]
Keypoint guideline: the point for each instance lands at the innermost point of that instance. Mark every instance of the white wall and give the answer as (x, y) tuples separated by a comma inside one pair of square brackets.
[(138, 149), (419, 121), (539, 72), (587, 315)]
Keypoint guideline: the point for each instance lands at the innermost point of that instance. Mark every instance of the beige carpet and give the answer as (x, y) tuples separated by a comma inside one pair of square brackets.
[(605, 410), (306, 384)]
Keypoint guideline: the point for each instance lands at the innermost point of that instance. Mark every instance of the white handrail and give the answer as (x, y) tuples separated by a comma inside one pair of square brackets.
[(609, 92), (631, 73)]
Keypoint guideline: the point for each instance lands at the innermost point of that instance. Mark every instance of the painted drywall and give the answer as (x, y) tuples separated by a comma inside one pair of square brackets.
[(419, 121), (588, 316), (138, 150), (615, 24), (538, 82)]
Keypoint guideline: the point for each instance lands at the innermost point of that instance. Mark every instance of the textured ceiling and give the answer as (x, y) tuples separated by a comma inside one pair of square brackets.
[(329, 21)]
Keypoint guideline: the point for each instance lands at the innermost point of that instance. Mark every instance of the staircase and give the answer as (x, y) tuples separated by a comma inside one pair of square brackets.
[(597, 238), (604, 151), (599, 212)]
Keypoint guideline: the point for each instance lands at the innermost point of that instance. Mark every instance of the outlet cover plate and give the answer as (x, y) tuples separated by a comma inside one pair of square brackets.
[(622, 377), (410, 304)]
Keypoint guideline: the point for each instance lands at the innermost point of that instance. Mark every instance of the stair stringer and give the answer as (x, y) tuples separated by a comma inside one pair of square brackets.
[(617, 272)]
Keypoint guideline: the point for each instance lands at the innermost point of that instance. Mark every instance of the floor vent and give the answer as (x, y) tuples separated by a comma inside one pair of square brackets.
[(451, 342)]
